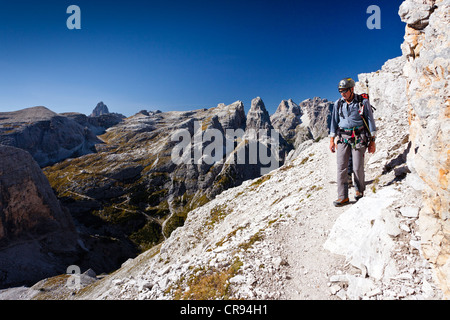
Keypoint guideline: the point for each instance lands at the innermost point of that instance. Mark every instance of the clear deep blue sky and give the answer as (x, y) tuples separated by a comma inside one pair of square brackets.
[(184, 55)]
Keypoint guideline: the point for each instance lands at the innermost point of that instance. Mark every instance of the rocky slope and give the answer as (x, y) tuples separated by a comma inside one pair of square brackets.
[(37, 235), (270, 239)]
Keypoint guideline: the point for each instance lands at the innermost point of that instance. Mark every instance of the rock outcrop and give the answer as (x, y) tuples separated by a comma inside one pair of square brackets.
[(47, 136), (264, 240), (427, 51), (37, 235), (97, 125)]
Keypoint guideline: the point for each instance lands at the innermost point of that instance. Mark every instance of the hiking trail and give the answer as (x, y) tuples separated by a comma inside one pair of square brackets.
[(309, 264)]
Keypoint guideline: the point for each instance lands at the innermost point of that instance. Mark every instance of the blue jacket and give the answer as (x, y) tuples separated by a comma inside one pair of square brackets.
[(348, 116)]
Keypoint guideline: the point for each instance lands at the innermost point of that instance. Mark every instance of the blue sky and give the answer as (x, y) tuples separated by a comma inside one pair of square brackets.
[(184, 55)]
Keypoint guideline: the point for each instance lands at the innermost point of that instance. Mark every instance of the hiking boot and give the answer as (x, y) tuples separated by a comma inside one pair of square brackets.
[(359, 195), (340, 202)]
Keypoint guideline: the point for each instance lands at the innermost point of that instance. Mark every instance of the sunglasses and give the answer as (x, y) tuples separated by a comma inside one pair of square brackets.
[(343, 91)]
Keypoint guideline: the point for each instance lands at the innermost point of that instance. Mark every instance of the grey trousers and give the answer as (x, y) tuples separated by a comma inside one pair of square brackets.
[(343, 154)]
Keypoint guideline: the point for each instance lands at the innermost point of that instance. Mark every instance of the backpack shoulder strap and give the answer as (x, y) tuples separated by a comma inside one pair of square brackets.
[(339, 106)]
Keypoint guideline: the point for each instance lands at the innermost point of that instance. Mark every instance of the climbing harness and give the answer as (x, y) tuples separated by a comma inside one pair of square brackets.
[(354, 137)]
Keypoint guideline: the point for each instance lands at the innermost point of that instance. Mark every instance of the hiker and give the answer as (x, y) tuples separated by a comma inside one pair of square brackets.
[(355, 133)]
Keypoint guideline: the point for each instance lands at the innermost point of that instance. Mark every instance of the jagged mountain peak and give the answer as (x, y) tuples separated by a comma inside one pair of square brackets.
[(258, 104), (258, 117), (287, 107), (99, 110)]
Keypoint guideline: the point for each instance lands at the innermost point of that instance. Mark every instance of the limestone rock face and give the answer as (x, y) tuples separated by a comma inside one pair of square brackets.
[(386, 89), (99, 120), (299, 123), (418, 83), (37, 235), (231, 116), (316, 116), (28, 203), (427, 50), (258, 117), (286, 118)]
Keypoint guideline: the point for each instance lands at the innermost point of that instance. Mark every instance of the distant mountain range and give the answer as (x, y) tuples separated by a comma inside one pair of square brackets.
[(117, 176)]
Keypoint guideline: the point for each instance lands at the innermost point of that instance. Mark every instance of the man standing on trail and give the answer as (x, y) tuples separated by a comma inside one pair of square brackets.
[(353, 124)]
